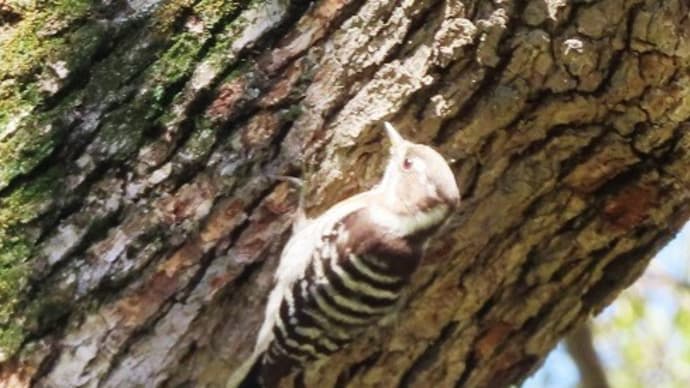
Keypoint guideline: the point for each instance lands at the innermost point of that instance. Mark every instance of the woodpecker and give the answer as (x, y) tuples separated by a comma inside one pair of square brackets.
[(345, 270)]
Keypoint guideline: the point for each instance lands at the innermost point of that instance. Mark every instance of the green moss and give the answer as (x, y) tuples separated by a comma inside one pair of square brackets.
[(12, 279), (24, 150), (167, 13), (11, 337), (199, 144), (29, 200), (81, 45), (33, 43), (211, 11), (174, 65), (177, 60), (33, 138), (16, 240), (60, 32), (18, 211), (32, 63), (292, 112), (14, 273)]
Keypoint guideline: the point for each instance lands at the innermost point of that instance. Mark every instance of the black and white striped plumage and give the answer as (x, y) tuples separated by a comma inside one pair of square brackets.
[(345, 270)]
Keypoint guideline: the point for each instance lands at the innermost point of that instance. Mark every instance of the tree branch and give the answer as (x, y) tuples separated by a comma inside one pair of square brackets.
[(581, 349)]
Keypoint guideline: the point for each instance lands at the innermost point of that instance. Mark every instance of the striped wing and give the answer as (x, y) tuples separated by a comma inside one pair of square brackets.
[(353, 279)]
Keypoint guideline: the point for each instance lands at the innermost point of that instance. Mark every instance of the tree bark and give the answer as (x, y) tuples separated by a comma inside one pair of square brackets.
[(139, 228)]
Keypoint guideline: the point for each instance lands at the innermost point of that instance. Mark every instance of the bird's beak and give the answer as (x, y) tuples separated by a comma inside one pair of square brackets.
[(397, 141)]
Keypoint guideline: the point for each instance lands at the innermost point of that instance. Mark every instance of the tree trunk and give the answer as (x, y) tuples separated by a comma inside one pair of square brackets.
[(140, 228)]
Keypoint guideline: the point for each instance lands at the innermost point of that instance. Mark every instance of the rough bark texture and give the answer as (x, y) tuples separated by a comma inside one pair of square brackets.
[(139, 233)]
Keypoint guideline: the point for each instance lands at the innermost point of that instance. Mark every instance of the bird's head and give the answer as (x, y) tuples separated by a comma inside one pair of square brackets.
[(417, 177)]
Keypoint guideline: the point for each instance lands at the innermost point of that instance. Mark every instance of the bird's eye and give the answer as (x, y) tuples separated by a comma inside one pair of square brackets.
[(407, 164)]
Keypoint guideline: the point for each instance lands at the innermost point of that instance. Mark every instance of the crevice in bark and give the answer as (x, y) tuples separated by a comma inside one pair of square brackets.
[(615, 274), (75, 84), (622, 179), (42, 280), (303, 8), (356, 368), (485, 307), (234, 235), (113, 36), (617, 58), (201, 101), (429, 18), (663, 154), (428, 357), (43, 368), (534, 322), (568, 165), (9, 16), (74, 202), (471, 362), (469, 187), (204, 263)]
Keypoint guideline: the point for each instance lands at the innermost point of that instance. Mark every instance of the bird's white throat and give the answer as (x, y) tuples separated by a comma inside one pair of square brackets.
[(406, 225)]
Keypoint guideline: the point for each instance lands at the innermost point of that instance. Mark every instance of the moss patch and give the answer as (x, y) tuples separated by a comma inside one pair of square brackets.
[(29, 52), (11, 338), (52, 47)]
